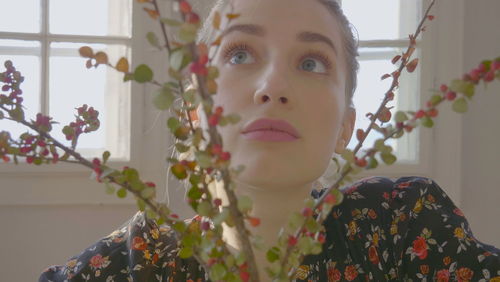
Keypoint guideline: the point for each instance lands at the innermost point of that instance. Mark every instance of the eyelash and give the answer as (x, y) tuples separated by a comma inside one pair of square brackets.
[(231, 48)]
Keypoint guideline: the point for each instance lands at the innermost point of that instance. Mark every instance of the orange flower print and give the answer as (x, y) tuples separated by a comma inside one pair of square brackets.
[(404, 185), (420, 247), (424, 269), (334, 274), (350, 273), (138, 244), (431, 198), (443, 275), (446, 260), (302, 272), (464, 274), (353, 227), (373, 255)]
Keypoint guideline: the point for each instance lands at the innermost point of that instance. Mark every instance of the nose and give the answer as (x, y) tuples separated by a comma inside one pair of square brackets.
[(273, 88)]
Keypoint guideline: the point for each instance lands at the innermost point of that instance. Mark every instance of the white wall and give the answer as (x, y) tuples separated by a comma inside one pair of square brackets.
[(33, 237)]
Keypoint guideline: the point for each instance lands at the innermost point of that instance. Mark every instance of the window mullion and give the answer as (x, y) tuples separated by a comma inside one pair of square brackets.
[(401, 43), (44, 59)]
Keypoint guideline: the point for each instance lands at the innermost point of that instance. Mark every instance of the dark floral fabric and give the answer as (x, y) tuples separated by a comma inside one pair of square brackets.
[(384, 230)]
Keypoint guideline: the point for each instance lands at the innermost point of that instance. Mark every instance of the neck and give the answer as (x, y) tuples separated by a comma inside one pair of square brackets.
[(273, 206)]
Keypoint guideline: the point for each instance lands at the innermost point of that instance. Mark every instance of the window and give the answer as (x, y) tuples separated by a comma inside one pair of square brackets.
[(383, 28), (42, 39)]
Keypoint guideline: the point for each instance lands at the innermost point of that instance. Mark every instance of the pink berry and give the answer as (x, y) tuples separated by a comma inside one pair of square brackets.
[(330, 199), (225, 156), (205, 225), (213, 120), (450, 95), (443, 88), (307, 212), (432, 112), (217, 202), (420, 114), (219, 110), (489, 76)]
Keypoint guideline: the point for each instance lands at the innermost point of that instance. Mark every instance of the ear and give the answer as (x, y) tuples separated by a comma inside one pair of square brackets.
[(347, 130)]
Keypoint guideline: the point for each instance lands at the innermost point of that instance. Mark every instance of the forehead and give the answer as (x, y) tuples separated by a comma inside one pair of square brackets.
[(286, 18)]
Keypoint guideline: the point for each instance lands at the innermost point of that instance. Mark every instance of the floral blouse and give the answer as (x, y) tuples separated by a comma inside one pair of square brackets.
[(384, 230)]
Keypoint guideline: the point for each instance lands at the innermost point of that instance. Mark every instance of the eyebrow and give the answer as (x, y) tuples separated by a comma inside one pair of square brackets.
[(257, 30)]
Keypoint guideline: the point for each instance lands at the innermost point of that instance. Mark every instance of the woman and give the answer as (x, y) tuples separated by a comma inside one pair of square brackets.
[(294, 73)]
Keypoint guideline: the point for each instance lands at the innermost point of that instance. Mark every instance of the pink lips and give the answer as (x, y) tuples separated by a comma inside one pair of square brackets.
[(265, 129)]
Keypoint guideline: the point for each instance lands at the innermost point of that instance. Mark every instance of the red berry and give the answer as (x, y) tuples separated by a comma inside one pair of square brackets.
[(213, 120), (432, 112), (254, 221), (495, 65), (292, 241), (150, 184), (450, 95), (330, 199), (185, 7), (443, 88), (205, 225), (307, 212), (217, 202), (216, 149), (225, 156), (321, 238), (219, 110), (361, 162), (29, 159), (192, 18), (489, 76), (420, 114), (173, 215), (211, 261)]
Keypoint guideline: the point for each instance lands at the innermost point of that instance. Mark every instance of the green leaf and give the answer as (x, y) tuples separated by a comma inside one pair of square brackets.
[(179, 226), (233, 118), (194, 193), (427, 121), (170, 22), (372, 163), (173, 124), (105, 156), (143, 73), (163, 99), (204, 159), (465, 87), (295, 220), (190, 95), (187, 32), (400, 116), (388, 158), (185, 252), (141, 204), (128, 76), (217, 272), (312, 225), (204, 209), (110, 189), (176, 59), (348, 155), (148, 192), (244, 204), (153, 39), (435, 99), (181, 147), (460, 105), (213, 73), (121, 193), (221, 217), (222, 121), (194, 179), (273, 254)]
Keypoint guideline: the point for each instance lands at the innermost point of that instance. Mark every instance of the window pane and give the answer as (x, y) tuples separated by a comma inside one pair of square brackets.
[(72, 85), (20, 15), (24, 56), (374, 62), (91, 17), (384, 19)]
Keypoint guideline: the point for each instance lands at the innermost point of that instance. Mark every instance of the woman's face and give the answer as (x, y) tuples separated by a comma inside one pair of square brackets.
[(283, 59)]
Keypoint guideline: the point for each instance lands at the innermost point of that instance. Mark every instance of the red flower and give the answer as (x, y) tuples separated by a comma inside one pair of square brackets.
[(443, 275), (372, 214), (334, 274), (458, 211), (420, 247), (97, 261), (350, 273), (373, 255), (138, 244), (464, 274)]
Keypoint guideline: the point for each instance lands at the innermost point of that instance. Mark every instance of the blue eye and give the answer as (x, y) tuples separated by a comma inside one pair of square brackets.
[(312, 64), (239, 57)]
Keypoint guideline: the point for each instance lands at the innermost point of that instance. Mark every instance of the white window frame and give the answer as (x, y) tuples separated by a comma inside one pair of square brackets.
[(69, 184)]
